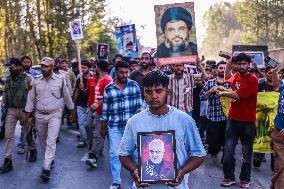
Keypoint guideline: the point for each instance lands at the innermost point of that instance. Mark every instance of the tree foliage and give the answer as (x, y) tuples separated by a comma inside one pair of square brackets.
[(41, 28), (253, 22)]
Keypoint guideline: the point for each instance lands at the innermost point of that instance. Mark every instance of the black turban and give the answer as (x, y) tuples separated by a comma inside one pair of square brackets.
[(176, 13)]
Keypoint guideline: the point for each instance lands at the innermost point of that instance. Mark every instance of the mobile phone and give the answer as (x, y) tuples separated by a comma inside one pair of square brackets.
[(272, 63), (225, 55)]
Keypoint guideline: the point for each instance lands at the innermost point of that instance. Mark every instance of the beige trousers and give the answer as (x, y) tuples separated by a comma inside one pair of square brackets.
[(278, 173), (48, 127), (12, 117)]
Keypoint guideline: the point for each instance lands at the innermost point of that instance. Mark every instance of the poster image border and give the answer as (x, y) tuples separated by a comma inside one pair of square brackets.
[(98, 51), (76, 37), (139, 150)]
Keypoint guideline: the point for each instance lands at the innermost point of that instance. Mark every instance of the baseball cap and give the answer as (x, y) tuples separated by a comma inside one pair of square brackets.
[(13, 62), (47, 61)]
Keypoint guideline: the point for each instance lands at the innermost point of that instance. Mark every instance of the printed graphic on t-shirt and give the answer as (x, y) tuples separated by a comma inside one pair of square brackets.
[(237, 85)]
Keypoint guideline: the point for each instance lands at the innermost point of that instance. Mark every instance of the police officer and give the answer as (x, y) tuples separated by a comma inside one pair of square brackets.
[(47, 97), (15, 96)]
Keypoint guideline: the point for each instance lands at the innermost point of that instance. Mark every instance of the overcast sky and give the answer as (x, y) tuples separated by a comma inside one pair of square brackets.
[(141, 13)]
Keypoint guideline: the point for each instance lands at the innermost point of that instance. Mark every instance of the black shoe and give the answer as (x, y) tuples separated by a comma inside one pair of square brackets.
[(7, 166), (81, 144), (52, 164), (33, 156), (45, 175), (92, 160)]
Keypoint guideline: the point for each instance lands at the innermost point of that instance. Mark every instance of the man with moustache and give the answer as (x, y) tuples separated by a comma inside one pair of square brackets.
[(216, 127), (241, 120), (47, 97), (181, 87), (159, 116), (121, 100), (138, 74), (176, 24), (157, 168), (14, 98)]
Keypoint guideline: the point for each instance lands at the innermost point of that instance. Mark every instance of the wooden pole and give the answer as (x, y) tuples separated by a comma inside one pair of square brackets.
[(79, 61)]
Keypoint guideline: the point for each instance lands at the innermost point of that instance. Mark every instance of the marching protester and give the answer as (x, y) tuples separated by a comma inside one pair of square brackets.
[(80, 99), (121, 100), (46, 98), (98, 141), (216, 127), (90, 89), (161, 117), (117, 58), (63, 74), (15, 95), (133, 65), (241, 120), (26, 62), (64, 66), (278, 137), (144, 68), (181, 87)]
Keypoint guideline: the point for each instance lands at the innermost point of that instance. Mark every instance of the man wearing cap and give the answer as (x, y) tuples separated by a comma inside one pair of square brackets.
[(176, 24), (64, 66), (15, 95), (63, 74), (47, 97)]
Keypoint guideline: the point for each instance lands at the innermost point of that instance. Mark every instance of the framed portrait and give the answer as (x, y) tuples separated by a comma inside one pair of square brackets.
[(102, 51), (176, 33), (126, 41), (76, 29), (157, 156)]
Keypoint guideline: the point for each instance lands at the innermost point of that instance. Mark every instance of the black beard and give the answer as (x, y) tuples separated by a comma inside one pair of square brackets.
[(180, 48), (145, 66), (221, 75)]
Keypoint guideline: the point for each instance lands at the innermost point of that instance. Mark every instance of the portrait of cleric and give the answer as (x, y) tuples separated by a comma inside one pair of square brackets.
[(102, 51), (178, 37), (156, 166)]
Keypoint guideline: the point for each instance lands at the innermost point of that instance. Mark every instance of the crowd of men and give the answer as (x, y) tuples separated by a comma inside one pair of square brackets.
[(119, 99)]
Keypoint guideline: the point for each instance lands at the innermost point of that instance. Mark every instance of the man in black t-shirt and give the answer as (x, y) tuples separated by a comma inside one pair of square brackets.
[(80, 100)]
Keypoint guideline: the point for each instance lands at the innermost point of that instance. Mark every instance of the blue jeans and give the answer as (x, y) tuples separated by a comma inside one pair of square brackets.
[(114, 136), (21, 143), (82, 114), (244, 131)]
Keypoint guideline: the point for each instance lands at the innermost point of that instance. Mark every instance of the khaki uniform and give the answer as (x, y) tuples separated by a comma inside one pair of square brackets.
[(47, 99), (65, 75), (15, 96)]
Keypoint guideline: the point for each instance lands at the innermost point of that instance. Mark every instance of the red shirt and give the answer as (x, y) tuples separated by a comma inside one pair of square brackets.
[(244, 108), (99, 91), (91, 84)]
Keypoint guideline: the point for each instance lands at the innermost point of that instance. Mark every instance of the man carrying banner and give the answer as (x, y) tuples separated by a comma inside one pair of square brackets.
[(176, 24)]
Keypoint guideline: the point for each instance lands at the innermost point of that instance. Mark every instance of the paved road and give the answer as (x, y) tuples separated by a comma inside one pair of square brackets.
[(70, 173)]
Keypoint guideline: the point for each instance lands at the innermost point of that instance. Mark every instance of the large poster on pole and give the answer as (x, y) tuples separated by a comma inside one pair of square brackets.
[(176, 33), (126, 41), (76, 29)]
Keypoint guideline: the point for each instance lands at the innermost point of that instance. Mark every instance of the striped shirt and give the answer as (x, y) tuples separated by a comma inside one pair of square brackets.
[(120, 105), (181, 94), (215, 111)]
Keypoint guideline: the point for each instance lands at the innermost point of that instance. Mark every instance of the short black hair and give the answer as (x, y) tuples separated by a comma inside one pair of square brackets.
[(103, 65), (243, 57), (26, 57), (155, 78), (221, 62), (214, 67), (121, 64), (133, 61), (267, 69), (86, 63), (146, 53), (282, 70), (208, 69)]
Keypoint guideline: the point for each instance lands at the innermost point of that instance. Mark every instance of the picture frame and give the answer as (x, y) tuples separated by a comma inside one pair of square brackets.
[(76, 29), (157, 160), (102, 51)]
